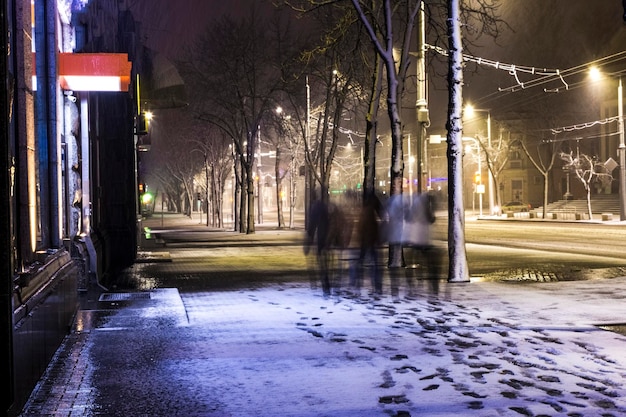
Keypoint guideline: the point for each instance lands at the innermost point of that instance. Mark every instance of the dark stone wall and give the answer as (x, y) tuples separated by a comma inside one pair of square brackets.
[(42, 317), (114, 203)]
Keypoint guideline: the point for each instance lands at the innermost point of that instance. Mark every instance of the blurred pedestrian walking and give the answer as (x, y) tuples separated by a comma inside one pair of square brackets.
[(370, 237), (393, 232), (325, 233), (349, 248), (422, 256), (395, 219)]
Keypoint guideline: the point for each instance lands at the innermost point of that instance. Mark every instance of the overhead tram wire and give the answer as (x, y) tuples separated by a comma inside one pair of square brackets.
[(549, 76), (604, 62), (565, 74), (568, 72)]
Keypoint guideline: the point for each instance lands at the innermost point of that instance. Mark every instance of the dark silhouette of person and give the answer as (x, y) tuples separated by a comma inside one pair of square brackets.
[(325, 231), (347, 250), (395, 211), (369, 239)]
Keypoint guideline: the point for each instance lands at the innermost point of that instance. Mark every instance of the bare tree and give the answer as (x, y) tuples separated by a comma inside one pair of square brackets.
[(171, 153), (337, 67), (389, 25), (215, 148), (295, 147), (542, 157), (334, 73), (589, 171), (391, 37), (278, 138), (289, 157), (234, 71), (458, 269), (321, 146), (290, 132), (371, 127), (182, 167), (497, 152)]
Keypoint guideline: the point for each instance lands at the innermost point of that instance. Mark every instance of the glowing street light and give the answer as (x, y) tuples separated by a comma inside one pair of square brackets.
[(480, 189), (595, 74), (469, 111)]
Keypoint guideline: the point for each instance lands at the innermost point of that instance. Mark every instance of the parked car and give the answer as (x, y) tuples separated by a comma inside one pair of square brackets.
[(516, 206)]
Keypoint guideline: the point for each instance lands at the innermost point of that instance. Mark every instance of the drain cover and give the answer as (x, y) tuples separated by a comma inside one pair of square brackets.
[(124, 296)]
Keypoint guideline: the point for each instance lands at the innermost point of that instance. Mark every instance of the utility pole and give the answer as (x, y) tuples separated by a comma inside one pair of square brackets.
[(307, 175), (489, 174), (421, 104), (206, 195), (622, 154)]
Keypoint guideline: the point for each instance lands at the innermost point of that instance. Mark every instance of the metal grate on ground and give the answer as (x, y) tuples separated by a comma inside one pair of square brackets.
[(124, 296)]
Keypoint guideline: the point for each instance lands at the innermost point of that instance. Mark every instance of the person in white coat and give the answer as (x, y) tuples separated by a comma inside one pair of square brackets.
[(421, 255)]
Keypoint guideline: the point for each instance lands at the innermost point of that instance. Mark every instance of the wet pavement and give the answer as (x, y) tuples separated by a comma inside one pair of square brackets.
[(230, 326)]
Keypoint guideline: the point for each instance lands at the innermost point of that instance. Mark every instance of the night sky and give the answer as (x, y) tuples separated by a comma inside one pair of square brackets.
[(169, 25)]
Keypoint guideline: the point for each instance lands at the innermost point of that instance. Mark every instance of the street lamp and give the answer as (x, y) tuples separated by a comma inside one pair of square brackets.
[(621, 149), (292, 147), (469, 111), (480, 188), (478, 184), (201, 204), (622, 153)]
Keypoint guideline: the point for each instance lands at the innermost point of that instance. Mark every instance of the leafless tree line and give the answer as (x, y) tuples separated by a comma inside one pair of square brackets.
[(345, 62)]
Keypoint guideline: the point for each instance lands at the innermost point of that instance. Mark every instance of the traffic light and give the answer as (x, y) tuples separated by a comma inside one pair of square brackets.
[(477, 177), (142, 188)]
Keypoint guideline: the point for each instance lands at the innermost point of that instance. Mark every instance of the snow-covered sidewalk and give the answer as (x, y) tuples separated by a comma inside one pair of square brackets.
[(481, 349)]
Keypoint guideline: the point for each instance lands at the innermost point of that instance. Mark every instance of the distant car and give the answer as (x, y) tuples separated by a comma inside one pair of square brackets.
[(516, 206)]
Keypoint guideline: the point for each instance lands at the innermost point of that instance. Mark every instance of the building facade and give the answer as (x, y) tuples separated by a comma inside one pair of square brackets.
[(68, 217)]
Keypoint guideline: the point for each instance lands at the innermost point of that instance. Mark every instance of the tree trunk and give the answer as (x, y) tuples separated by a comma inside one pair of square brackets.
[(292, 191), (250, 227), (397, 159), (458, 268), (236, 204), (545, 194), (243, 207), (371, 121), (279, 181), (589, 202)]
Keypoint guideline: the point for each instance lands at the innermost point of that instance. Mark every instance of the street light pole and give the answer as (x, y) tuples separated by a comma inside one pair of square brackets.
[(258, 170), (490, 183), (489, 175), (622, 154), (423, 119), (480, 182), (307, 136), (411, 168), (206, 193), (594, 73), (480, 176)]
